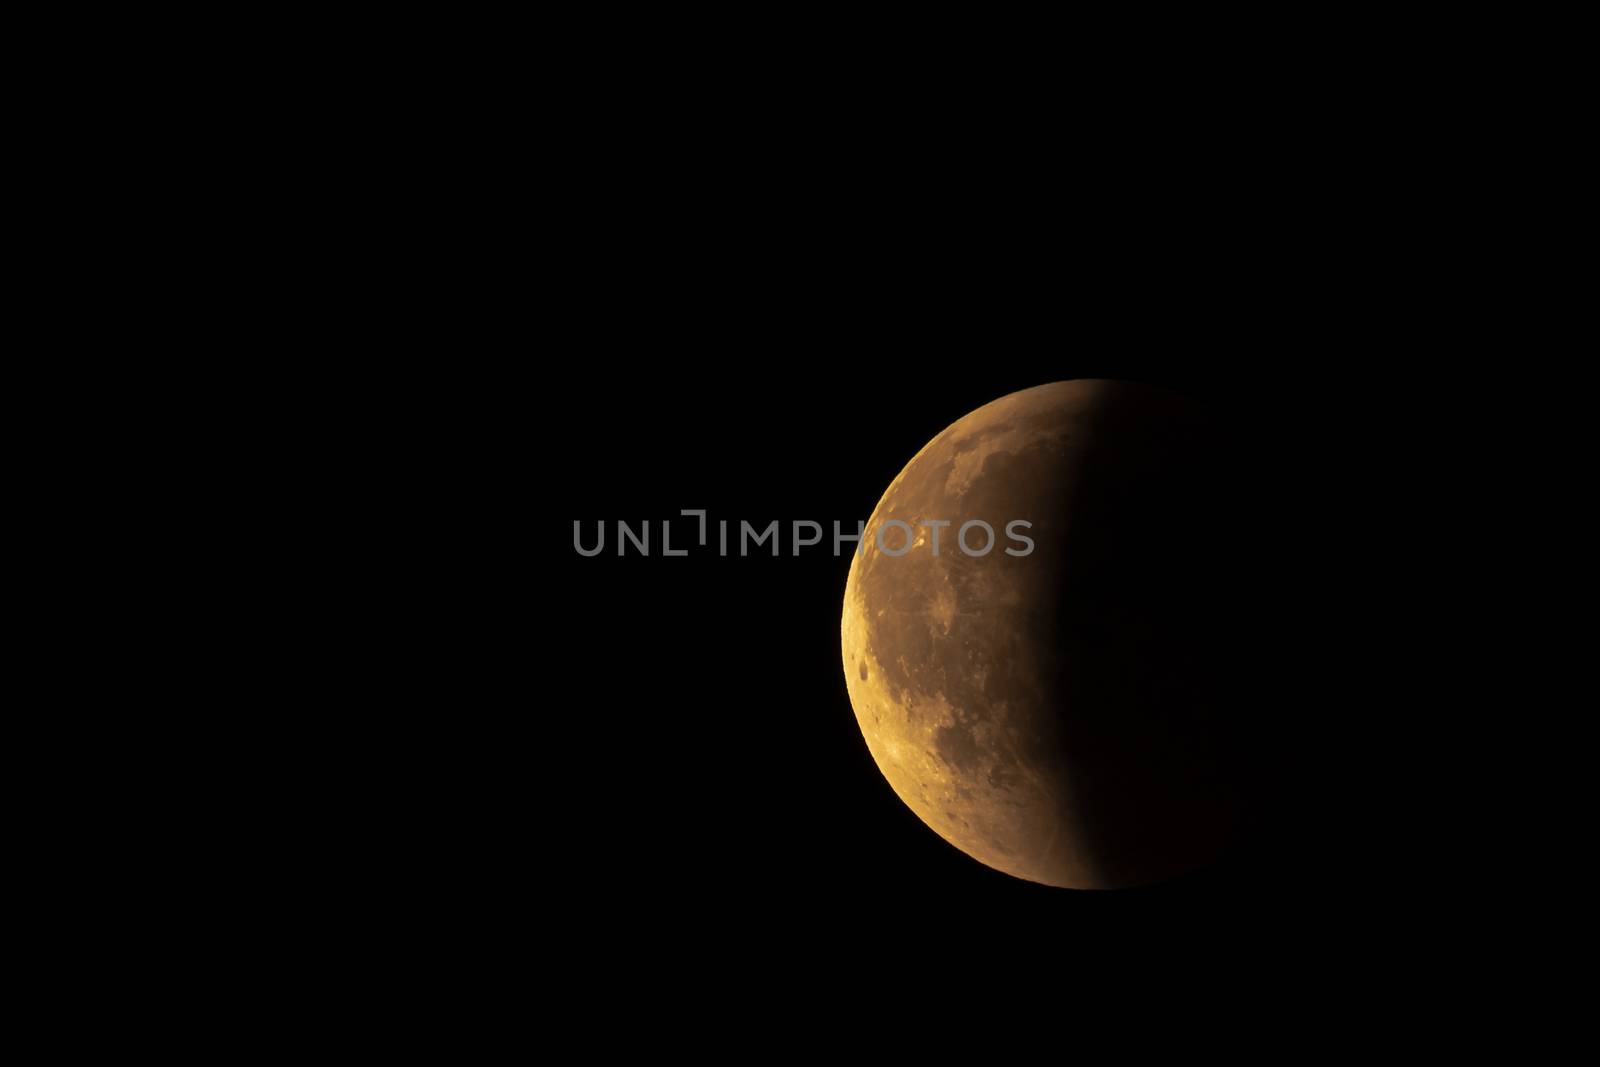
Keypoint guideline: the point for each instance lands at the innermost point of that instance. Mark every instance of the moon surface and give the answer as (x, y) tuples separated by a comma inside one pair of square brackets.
[(1055, 714)]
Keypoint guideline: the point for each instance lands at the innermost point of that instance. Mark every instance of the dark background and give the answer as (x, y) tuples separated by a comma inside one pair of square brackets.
[(752, 307)]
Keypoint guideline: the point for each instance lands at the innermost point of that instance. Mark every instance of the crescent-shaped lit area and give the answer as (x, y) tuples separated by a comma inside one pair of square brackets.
[(1057, 714)]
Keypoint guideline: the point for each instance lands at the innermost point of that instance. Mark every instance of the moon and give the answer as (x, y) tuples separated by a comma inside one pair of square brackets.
[(1057, 713)]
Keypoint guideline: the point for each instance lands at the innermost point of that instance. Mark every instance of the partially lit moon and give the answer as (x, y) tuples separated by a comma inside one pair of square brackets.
[(1052, 715)]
